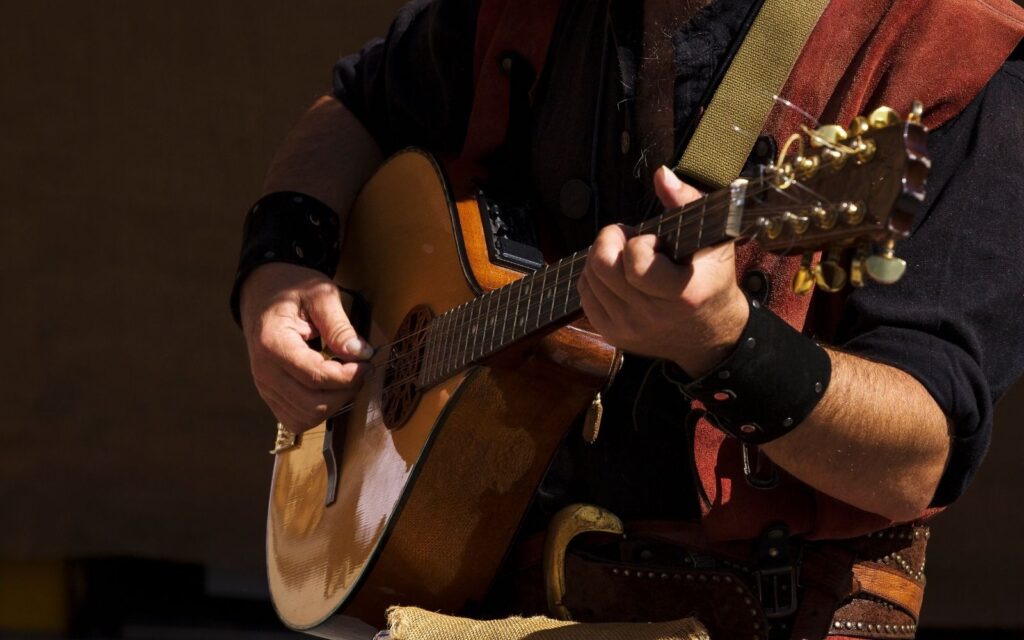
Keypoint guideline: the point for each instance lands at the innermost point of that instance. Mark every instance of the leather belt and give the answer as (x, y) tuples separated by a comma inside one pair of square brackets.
[(868, 587)]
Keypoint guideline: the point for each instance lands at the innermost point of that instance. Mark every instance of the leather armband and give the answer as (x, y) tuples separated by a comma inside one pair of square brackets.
[(767, 386), (287, 226)]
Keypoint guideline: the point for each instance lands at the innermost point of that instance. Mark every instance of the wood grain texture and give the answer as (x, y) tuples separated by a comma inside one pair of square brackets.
[(426, 511)]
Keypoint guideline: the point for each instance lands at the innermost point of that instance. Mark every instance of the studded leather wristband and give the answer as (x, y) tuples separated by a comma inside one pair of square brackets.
[(767, 386), (287, 226)]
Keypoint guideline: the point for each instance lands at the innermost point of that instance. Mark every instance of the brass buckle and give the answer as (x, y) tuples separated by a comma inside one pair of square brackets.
[(568, 523)]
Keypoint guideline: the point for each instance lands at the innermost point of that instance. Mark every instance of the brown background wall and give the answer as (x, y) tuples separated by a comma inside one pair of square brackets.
[(133, 135)]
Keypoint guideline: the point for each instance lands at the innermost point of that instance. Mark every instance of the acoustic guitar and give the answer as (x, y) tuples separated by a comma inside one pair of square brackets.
[(413, 493)]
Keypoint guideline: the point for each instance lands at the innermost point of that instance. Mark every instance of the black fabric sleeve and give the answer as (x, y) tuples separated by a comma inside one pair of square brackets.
[(415, 87), (956, 320)]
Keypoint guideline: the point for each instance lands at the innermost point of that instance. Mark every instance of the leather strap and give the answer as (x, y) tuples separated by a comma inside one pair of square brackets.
[(740, 107), (890, 585)]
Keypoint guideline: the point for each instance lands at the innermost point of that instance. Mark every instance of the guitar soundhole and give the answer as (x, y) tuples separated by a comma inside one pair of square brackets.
[(401, 393)]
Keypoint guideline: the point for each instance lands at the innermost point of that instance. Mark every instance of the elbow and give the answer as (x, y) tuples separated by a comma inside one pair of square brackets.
[(911, 490)]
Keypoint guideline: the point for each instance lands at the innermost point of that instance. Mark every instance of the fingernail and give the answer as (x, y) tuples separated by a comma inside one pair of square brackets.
[(358, 348)]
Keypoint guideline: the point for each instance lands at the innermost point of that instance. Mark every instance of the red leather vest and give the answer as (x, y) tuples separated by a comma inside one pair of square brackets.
[(861, 55)]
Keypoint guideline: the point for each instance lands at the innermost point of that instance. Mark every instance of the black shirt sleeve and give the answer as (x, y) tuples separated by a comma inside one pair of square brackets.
[(955, 320), (415, 87)]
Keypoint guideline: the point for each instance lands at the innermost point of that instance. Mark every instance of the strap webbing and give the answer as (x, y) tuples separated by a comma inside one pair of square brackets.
[(744, 99)]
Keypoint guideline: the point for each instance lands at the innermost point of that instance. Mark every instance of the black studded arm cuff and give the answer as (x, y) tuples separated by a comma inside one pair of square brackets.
[(767, 386), (287, 226)]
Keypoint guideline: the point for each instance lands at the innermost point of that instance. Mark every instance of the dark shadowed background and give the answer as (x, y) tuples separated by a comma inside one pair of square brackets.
[(133, 136)]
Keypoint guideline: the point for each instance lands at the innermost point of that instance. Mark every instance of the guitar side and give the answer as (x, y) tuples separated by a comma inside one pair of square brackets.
[(424, 512)]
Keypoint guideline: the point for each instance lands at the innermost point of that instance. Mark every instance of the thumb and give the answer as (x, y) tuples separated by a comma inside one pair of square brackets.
[(672, 191), (336, 332)]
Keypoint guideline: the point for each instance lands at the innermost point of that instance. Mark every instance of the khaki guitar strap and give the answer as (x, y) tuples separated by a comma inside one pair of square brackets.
[(740, 107)]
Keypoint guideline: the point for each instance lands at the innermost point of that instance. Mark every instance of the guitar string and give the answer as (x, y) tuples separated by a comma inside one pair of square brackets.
[(574, 298), (550, 288), (490, 316), (486, 318)]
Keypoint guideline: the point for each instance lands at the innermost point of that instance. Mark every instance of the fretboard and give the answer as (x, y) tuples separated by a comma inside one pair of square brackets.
[(548, 297)]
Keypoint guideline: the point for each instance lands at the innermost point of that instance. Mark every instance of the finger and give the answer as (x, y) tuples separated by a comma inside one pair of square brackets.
[(592, 307), (312, 406), (285, 413), (604, 261), (287, 350), (672, 191), (653, 273), (616, 308), (323, 304)]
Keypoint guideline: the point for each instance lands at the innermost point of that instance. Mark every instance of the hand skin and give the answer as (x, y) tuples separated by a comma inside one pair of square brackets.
[(328, 155), (877, 440)]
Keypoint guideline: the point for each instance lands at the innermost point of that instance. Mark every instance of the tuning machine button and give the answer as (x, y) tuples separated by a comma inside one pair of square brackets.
[(829, 275), (885, 267), (883, 117), (857, 266), (859, 126), (804, 279), (830, 135)]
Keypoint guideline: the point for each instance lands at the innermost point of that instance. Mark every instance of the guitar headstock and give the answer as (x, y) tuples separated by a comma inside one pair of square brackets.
[(843, 191)]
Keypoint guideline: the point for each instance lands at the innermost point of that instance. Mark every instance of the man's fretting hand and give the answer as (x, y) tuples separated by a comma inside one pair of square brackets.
[(282, 307), (641, 302)]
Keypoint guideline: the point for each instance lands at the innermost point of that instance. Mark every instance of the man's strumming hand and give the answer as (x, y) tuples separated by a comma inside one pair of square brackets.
[(283, 306), (640, 301)]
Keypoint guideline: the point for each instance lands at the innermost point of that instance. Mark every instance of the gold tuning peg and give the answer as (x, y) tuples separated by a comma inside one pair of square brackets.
[(829, 275), (857, 266), (830, 135), (883, 117), (803, 281), (885, 267), (859, 127)]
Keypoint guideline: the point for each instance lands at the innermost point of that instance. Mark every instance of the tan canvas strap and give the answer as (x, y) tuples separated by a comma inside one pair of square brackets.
[(740, 107)]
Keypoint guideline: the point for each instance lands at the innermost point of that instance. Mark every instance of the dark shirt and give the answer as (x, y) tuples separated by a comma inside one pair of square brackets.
[(952, 322)]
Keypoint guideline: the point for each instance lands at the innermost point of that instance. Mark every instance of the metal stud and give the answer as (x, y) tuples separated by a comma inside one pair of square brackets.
[(838, 624)]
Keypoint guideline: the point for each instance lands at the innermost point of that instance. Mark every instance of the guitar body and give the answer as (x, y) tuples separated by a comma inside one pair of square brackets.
[(423, 513)]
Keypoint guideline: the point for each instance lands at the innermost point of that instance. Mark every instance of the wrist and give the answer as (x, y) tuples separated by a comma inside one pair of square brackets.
[(289, 227), (726, 325), (770, 382)]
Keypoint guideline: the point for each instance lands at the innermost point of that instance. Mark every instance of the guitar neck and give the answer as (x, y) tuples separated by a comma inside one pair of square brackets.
[(548, 298)]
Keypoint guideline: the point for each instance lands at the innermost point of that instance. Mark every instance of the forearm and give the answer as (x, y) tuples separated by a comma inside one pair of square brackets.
[(877, 440), (328, 155)]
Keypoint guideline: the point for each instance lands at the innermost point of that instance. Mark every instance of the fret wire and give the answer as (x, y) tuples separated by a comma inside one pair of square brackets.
[(540, 303), (486, 301), (428, 353), (569, 285), (679, 233), (551, 314), (700, 230), (467, 329), (496, 295), (443, 355), (475, 329), (529, 297), (504, 315), (457, 322), (519, 301)]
